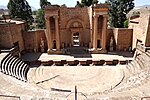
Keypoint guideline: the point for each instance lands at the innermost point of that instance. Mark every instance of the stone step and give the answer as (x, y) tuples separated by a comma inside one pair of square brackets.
[(138, 65), (132, 67), (13, 66), (141, 63), (148, 51), (145, 57), (148, 54), (3, 62), (144, 60), (129, 67)]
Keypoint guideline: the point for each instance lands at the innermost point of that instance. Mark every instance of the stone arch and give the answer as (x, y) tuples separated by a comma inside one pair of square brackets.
[(75, 20)]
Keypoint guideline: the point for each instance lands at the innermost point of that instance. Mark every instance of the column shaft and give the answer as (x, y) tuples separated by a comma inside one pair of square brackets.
[(48, 32), (57, 33), (95, 32), (104, 32)]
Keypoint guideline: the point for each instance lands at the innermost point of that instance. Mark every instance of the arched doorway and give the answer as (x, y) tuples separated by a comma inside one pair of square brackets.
[(76, 27), (76, 39)]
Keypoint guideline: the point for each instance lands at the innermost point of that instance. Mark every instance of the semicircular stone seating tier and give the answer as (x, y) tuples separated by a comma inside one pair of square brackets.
[(141, 62), (15, 67)]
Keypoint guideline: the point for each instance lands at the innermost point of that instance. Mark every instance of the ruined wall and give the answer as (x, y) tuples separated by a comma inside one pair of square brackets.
[(147, 40), (140, 29), (32, 40), (124, 39), (110, 35), (5, 36), (10, 34), (121, 37)]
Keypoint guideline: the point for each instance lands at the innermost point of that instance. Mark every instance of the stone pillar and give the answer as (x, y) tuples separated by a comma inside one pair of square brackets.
[(104, 32), (71, 39), (48, 33), (57, 33), (91, 38), (95, 32)]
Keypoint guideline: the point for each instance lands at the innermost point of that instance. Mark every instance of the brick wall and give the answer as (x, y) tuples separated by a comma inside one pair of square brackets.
[(70, 15), (10, 34), (122, 38), (5, 36), (32, 40)]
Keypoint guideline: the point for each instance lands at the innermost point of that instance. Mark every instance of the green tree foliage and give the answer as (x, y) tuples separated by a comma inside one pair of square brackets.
[(20, 9), (118, 9), (44, 3), (40, 19), (126, 23), (79, 4), (136, 13), (64, 5), (34, 12), (86, 3), (95, 2)]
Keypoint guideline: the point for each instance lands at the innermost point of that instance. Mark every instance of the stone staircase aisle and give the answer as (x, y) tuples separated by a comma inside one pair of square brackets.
[(13, 66)]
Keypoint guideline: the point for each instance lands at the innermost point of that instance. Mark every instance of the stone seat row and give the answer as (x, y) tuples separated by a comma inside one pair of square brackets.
[(13, 66), (82, 63), (139, 64)]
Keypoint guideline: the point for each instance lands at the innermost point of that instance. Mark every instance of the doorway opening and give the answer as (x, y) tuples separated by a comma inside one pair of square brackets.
[(54, 44), (76, 39), (98, 44)]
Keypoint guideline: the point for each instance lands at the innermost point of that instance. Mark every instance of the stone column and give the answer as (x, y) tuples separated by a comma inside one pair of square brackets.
[(95, 32), (72, 42), (57, 33), (48, 33), (104, 32)]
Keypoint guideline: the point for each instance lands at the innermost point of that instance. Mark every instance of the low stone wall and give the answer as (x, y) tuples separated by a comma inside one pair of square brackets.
[(79, 63)]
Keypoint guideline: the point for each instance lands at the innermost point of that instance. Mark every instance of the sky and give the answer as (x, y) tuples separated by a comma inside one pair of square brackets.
[(70, 3)]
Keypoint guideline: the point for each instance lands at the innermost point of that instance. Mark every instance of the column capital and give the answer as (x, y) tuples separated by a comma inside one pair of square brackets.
[(95, 16), (105, 16), (47, 17), (56, 17)]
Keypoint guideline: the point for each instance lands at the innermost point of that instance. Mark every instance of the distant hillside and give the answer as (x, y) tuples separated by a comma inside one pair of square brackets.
[(144, 6), (33, 8), (5, 7), (137, 10)]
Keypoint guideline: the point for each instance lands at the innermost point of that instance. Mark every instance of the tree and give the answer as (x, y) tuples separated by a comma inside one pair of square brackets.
[(86, 3), (40, 20), (118, 9), (126, 23), (44, 3), (20, 9), (64, 5), (79, 4), (34, 12), (95, 2)]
